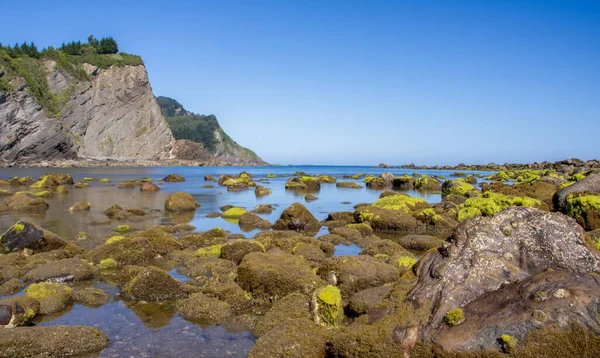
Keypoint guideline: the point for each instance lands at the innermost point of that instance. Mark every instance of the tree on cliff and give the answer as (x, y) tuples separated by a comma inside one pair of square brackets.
[(107, 45)]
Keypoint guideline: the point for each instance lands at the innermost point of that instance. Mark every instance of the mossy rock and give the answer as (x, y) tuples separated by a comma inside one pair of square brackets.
[(18, 311), (26, 202), (459, 187), (299, 338), (236, 250), (203, 309), (53, 297), (298, 218), (209, 251), (272, 276), (585, 209), (180, 202), (385, 219), (262, 191), (303, 182), (65, 270), (173, 178), (234, 213), (91, 297), (489, 203), (290, 308), (327, 302), (26, 235), (153, 284), (81, 206), (427, 184), (404, 203), (125, 251)]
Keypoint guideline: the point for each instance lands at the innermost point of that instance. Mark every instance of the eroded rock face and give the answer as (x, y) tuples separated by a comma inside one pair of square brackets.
[(113, 115), (494, 251), (549, 298)]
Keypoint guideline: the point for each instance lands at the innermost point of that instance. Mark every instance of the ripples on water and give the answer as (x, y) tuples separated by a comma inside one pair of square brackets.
[(152, 329)]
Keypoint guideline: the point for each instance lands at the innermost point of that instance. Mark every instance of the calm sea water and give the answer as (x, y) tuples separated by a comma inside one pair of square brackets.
[(149, 331)]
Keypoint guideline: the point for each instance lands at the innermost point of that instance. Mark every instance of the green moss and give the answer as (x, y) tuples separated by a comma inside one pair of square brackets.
[(108, 264), (459, 187), (566, 184), (455, 317), (369, 178), (18, 228), (114, 239), (234, 213), (465, 213), (578, 205), (528, 176), (400, 202), (122, 228), (577, 177), (105, 180), (88, 179), (357, 176), (406, 262), (44, 289), (329, 305), (271, 176), (509, 343), (209, 251)]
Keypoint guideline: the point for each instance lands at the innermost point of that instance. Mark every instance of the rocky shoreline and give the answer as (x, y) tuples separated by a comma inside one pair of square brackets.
[(125, 163), (492, 270)]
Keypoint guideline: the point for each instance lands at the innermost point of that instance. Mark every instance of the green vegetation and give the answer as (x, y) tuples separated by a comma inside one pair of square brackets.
[(400, 202), (234, 213), (329, 303), (22, 62), (209, 251), (490, 203), (509, 343), (455, 317)]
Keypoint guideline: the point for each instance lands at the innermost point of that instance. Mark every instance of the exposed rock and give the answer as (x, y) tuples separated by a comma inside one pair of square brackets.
[(349, 184), (263, 209), (188, 150), (236, 250), (180, 202), (53, 297), (303, 182), (290, 308), (26, 202), (173, 178), (123, 123), (420, 242), (276, 275), (66, 270), (91, 297), (250, 220), (310, 197), (209, 178), (262, 191), (149, 186), (203, 309), (25, 235), (363, 301), (549, 298), (300, 338), (153, 284), (386, 219), (297, 217), (55, 341), (80, 206), (494, 251)]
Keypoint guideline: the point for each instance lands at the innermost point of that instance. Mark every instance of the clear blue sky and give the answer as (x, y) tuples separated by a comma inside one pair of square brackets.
[(361, 82)]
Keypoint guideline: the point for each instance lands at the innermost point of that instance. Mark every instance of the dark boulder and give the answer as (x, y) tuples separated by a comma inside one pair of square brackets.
[(589, 185)]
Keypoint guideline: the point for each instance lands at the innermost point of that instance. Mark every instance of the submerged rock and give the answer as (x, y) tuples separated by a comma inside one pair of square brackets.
[(153, 284), (180, 202), (26, 202)]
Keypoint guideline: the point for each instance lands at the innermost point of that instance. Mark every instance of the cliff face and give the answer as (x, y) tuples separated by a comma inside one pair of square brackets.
[(205, 130), (110, 113)]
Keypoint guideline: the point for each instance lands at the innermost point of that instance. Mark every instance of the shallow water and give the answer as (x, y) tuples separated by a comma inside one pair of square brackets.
[(155, 330)]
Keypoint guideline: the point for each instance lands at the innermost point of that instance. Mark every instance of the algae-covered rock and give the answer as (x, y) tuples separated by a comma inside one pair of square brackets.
[(303, 182), (349, 184), (173, 178), (153, 284), (386, 219), (250, 220), (327, 306), (403, 203), (276, 275), (356, 273), (91, 297), (210, 178), (180, 202), (586, 186), (66, 270), (210, 268), (126, 251), (236, 250), (300, 338), (585, 209), (427, 184), (297, 217), (489, 203), (26, 202), (209, 251), (25, 235), (51, 181), (459, 187), (420, 242), (262, 191), (310, 197), (55, 341), (363, 301), (234, 213), (290, 308), (18, 311), (148, 186), (203, 309), (80, 206), (53, 297)]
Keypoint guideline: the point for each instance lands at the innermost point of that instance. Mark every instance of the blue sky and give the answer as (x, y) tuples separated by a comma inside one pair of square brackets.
[(361, 82)]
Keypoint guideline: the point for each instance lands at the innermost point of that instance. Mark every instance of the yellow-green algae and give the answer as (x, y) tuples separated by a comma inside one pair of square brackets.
[(122, 228), (40, 184), (105, 180), (489, 203), (209, 251), (428, 215), (576, 205), (108, 264), (406, 262), (399, 202), (459, 187), (234, 213), (329, 305), (455, 317), (271, 176), (509, 343), (44, 289), (114, 239)]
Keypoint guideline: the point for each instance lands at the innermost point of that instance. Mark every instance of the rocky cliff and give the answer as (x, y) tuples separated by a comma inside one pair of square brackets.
[(52, 109), (206, 132)]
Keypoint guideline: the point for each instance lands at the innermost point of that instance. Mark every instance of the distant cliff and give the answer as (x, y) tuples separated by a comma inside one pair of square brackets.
[(65, 107), (205, 129)]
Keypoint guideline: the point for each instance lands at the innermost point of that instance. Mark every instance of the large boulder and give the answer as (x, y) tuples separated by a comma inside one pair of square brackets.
[(588, 185), (173, 178), (52, 181), (490, 252), (272, 276), (25, 235), (250, 220), (585, 208), (297, 217), (557, 298), (180, 202), (26, 202), (386, 219)]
